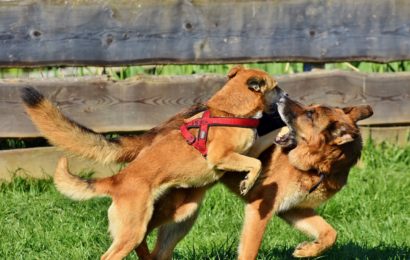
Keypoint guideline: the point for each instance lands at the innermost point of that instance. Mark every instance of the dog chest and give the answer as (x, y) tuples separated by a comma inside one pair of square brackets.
[(315, 198), (245, 140), (301, 198), (291, 200)]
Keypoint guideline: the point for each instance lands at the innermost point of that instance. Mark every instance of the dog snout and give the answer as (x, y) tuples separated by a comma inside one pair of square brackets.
[(282, 97), (282, 93), (291, 107), (273, 99), (278, 93)]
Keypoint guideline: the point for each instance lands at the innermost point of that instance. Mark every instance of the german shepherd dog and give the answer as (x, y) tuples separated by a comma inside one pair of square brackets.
[(159, 166)]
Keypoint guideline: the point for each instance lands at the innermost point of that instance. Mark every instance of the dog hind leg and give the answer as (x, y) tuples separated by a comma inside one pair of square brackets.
[(142, 250), (129, 217), (184, 218), (170, 234)]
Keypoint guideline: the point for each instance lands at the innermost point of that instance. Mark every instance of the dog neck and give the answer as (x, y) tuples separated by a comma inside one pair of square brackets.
[(233, 101), (333, 180), (316, 185)]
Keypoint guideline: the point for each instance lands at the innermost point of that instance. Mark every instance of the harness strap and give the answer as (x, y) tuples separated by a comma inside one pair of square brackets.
[(205, 122)]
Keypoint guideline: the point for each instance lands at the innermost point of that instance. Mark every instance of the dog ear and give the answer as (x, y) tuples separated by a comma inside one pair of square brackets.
[(232, 72), (357, 113)]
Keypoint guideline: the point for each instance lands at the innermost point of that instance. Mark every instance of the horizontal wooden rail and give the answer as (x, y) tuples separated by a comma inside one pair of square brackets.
[(41, 162), (120, 32), (142, 102), (399, 135)]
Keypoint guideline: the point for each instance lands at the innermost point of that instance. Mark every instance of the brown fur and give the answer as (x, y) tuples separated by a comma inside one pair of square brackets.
[(328, 141), (70, 136), (160, 167)]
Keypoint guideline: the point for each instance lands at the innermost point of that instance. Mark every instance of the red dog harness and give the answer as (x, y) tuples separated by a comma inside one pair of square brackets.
[(205, 122)]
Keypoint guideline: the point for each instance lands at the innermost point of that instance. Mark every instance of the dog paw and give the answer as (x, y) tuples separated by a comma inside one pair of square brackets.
[(245, 186), (308, 249)]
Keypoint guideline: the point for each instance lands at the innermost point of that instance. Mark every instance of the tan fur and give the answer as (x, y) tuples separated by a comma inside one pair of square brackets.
[(307, 221), (168, 161), (287, 177), (73, 186), (69, 135)]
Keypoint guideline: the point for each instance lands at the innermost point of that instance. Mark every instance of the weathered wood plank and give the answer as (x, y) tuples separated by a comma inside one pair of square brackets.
[(143, 102), (106, 106), (41, 163), (94, 32), (399, 135)]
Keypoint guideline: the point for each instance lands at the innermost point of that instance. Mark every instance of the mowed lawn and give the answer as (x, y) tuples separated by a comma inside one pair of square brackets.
[(371, 215)]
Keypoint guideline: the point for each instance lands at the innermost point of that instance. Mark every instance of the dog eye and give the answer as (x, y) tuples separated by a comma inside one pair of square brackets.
[(309, 114), (253, 81), (255, 84)]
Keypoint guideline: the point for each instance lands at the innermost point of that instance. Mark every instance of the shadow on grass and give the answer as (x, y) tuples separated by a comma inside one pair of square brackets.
[(347, 251)]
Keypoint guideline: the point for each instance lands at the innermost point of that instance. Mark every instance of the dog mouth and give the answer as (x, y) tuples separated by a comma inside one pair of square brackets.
[(287, 140)]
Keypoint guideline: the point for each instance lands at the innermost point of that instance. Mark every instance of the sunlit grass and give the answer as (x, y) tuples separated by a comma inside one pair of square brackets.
[(371, 215)]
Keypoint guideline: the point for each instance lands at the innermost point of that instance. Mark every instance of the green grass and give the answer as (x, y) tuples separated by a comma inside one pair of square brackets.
[(371, 215), (119, 73)]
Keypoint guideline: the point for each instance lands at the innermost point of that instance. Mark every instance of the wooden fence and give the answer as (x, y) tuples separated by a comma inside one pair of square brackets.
[(110, 33), (118, 32)]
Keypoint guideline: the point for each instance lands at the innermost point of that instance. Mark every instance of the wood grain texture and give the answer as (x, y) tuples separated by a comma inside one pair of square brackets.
[(142, 102), (113, 32), (399, 135), (41, 163), (107, 106)]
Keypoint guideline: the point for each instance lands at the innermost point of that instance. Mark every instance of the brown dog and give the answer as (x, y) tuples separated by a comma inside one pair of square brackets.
[(134, 189), (292, 184)]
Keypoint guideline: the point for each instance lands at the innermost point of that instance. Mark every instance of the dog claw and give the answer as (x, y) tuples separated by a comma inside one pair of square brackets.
[(244, 187)]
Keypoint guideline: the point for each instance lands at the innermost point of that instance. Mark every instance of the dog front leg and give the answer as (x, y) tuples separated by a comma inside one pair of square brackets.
[(238, 163), (257, 216), (313, 225)]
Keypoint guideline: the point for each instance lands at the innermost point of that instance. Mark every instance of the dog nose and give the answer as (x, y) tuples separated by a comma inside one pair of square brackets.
[(281, 95)]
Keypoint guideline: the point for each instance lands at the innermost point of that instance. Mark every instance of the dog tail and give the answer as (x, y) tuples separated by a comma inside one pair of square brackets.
[(78, 188), (73, 137)]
